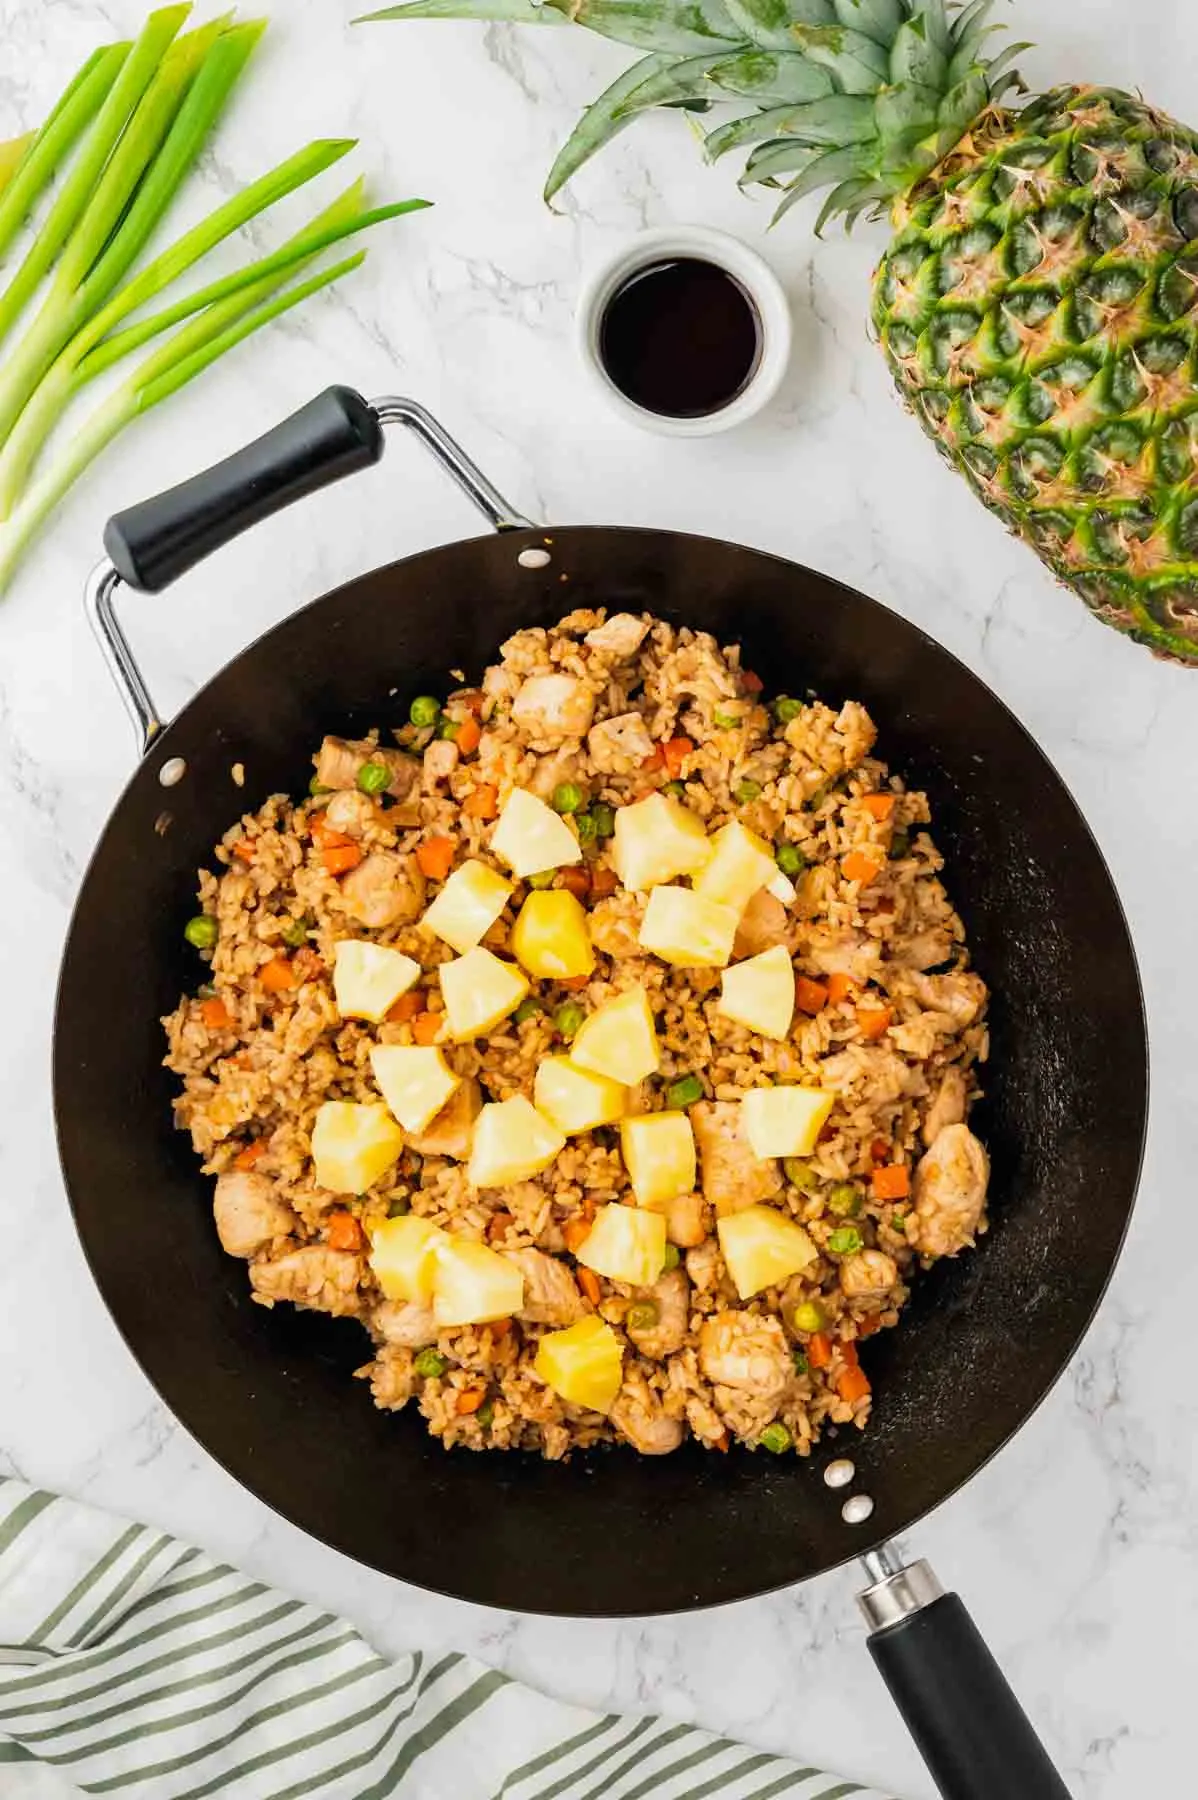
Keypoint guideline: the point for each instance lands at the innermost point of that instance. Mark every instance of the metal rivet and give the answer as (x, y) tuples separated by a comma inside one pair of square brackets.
[(534, 559), (838, 1474), (856, 1509), (172, 771)]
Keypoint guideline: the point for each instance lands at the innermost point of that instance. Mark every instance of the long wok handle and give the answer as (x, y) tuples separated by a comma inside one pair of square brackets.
[(976, 1739)]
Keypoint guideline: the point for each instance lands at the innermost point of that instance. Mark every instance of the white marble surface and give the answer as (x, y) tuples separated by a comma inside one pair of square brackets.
[(1078, 1548)]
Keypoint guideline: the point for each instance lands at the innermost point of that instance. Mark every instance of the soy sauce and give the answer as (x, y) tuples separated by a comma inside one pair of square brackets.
[(681, 338)]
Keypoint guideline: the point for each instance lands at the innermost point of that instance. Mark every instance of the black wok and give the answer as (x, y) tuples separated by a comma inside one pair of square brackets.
[(985, 1337)]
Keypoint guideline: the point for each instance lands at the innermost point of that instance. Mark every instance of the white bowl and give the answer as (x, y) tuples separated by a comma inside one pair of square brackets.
[(753, 274)]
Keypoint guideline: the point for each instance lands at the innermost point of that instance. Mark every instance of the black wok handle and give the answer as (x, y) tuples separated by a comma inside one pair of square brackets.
[(153, 543), (971, 1731)]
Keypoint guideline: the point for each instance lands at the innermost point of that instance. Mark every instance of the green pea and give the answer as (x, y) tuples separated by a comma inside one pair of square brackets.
[(685, 1091), (529, 1008), (448, 729), (809, 1315), (585, 826), (604, 817), (567, 797), (798, 1173), (316, 786), (295, 933), (568, 1018), (486, 1414), (789, 859), (900, 845), (424, 710), (399, 1208), (373, 777), (543, 879), (746, 791), (800, 1362), (844, 1199), (786, 709), (846, 1240), (725, 721), (673, 1257), (431, 1362), (202, 931), (642, 1316), (674, 789), (775, 1438)]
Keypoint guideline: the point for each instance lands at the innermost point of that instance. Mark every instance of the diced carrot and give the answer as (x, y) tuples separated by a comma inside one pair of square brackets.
[(482, 802), (603, 884), (751, 683), (879, 806), (892, 1181), (674, 753), (324, 837), (344, 1232), (573, 982), (810, 996), (241, 1059), (852, 1385), (245, 849), (857, 866), (277, 975), (867, 1327), (848, 1352), (497, 1224), (873, 1021), (819, 1350), (576, 881), (499, 1328), (470, 1399), (469, 736), (588, 1281), (426, 1027), (879, 1150), (721, 1443), (339, 859), (245, 1159), (654, 760), (435, 857), (406, 1007), (839, 988), (576, 1232), (215, 1014)]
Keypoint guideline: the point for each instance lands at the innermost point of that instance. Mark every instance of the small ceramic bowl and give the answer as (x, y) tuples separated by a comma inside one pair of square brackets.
[(753, 274)]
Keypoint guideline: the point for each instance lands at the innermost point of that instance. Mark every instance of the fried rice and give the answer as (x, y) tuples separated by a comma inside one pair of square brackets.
[(890, 1019)]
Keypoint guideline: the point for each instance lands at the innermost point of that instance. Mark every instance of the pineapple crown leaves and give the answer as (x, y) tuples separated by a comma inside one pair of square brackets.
[(859, 97)]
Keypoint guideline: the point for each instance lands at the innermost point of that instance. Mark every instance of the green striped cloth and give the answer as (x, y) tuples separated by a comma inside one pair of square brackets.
[(133, 1664)]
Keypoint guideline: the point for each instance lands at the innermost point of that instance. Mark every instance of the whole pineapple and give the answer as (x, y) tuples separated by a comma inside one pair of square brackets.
[(1038, 303)]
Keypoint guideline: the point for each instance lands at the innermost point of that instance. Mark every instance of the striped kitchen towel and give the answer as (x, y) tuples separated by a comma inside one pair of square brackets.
[(133, 1664)]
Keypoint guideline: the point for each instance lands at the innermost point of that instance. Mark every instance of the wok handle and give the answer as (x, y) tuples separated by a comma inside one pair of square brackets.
[(970, 1729)]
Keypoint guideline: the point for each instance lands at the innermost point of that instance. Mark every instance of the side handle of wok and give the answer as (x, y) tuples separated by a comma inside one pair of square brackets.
[(971, 1731)]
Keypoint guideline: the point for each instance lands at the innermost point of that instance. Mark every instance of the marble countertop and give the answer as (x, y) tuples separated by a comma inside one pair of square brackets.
[(1078, 1547)]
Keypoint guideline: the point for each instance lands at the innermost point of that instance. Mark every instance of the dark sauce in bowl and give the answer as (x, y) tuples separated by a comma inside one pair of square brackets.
[(681, 338)]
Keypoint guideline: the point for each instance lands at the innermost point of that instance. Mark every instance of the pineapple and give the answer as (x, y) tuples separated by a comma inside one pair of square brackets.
[(1038, 301), (584, 1364), (625, 1244)]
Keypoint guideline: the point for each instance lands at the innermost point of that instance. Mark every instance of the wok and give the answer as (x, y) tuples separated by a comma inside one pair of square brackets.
[(268, 1392)]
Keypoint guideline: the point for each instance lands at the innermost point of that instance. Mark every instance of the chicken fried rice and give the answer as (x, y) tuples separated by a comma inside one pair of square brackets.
[(561, 1224)]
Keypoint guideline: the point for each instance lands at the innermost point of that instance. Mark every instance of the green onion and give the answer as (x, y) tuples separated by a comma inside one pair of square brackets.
[(642, 1316), (316, 789), (202, 931), (567, 797), (542, 879), (673, 1257), (529, 1008), (399, 1208), (431, 1362), (448, 728), (568, 1018), (604, 817), (810, 1316), (786, 709), (586, 828), (788, 859), (900, 844), (373, 777), (745, 791), (725, 721), (844, 1199), (801, 1365), (775, 1438), (798, 1173), (295, 933), (846, 1240), (685, 1091), (675, 790), (486, 1414)]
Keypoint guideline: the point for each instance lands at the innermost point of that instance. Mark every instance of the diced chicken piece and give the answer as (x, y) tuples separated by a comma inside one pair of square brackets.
[(637, 1414), (405, 1323), (867, 1275), (671, 1296), (620, 744), (551, 771), (351, 812), (385, 889), (835, 952), (740, 1350), (620, 636), (450, 1132), (764, 923), (922, 950), (960, 996), (948, 1108), (249, 1214), (732, 1176), (614, 926), (551, 1295), (554, 706), (950, 1192), (392, 1378), (339, 760), (704, 1265), (706, 1422), (685, 1224), (315, 1277), (440, 761)]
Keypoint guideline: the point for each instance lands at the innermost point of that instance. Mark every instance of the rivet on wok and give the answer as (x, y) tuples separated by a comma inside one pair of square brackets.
[(838, 1474), (172, 771), (534, 559), (856, 1509)]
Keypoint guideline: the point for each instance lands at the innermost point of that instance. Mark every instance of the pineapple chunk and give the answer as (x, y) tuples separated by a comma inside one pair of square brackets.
[(467, 906), (741, 865), (479, 991), (473, 1284), (550, 937), (687, 929), (583, 1364), (760, 993), (656, 839), (353, 1146), (531, 837), (659, 1154), (785, 1121), (762, 1247), (368, 979), (403, 1255), (625, 1244), (576, 1099), (618, 1039), (512, 1142), (416, 1082)]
